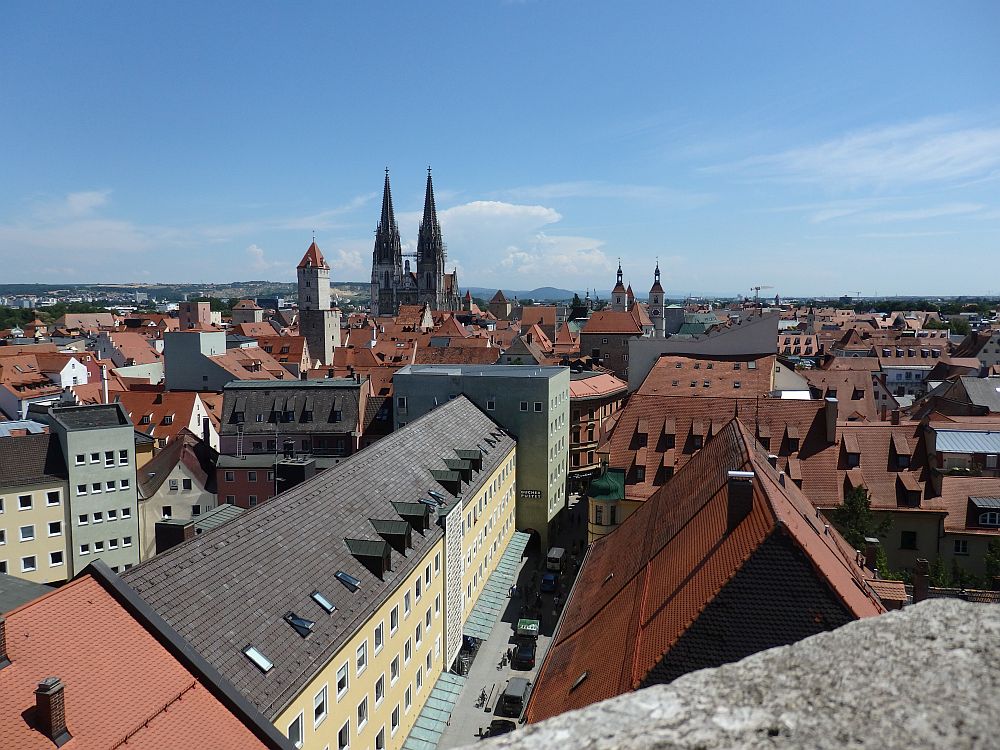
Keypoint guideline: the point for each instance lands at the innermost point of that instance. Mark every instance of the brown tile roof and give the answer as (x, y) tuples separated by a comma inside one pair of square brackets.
[(456, 355), (955, 494), (854, 389), (250, 363), (677, 375), (596, 385), (498, 298), (122, 685), (168, 413), (134, 348), (656, 596), (254, 330)]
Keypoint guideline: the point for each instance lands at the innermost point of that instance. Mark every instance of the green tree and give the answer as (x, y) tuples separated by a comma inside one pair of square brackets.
[(882, 566), (940, 574), (855, 519), (577, 302), (992, 560), (960, 326)]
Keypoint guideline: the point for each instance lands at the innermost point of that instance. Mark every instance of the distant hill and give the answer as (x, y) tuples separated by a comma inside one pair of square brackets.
[(545, 293)]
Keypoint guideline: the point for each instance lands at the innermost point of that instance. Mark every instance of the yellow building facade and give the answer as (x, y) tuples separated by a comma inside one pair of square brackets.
[(33, 533)]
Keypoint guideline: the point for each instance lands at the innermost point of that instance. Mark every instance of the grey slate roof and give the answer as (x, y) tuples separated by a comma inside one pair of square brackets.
[(321, 397), (232, 586), (983, 392), (16, 591), (91, 416), (30, 459)]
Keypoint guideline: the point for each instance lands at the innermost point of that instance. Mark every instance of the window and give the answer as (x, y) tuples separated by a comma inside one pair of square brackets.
[(27, 532), (230, 476), (362, 657), (418, 589), (295, 731), (363, 713), (123, 458), (395, 720), (407, 651), (538, 406), (126, 541), (378, 639), (406, 604), (420, 678), (173, 485), (401, 403), (524, 406), (112, 544), (123, 484), (95, 458), (379, 690), (599, 515), (98, 546), (343, 681), (319, 707), (437, 605), (55, 559), (394, 670), (81, 489), (28, 564), (24, 502), (3, 536), (344, 736), (989, 519), (252, 500), (84, 549), (167, 511), (961, 547), (109, 458), (186, 484), (437, 563), (491, 404), (908, 540), (394, 620), (55, 528), (3, 566), (252, 476), (196, 510), (419, 635), (95, 488), (80, 459), (380, 739), (109, 486), (407, 698), (427, 619), (126, 512)]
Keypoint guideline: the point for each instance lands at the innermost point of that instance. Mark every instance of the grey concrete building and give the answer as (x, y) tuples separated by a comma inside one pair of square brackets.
[(531, 403), (102, 517)]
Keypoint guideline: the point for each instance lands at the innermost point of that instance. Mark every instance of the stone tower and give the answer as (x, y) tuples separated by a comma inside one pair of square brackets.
[(618, 294), (318, 322), (387, 259), (431, 254), (657, 305)]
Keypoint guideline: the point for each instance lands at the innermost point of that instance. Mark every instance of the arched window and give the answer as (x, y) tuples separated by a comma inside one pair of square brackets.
[(428, 282), (386, 282), (989, 519)]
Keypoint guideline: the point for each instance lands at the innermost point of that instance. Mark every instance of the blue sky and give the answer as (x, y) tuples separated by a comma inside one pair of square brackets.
[(814, 147)]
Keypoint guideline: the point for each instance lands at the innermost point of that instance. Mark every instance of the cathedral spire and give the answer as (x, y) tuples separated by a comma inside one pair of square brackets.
[(388, 219), (430, 246), (388, 249)]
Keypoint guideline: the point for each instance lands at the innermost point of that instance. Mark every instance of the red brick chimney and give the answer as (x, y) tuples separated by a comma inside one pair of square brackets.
[(50, 706), (894, 416), (831, 407), (871, 549), (4, 657), (740, 498)]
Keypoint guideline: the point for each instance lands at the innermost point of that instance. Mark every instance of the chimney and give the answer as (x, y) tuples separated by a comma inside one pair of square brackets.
[(895, 416), (831, 419), (884, 413), (4, 658), (781, 478), (50, 707), (104, 384), (871, 549), (740, 498), (206, 432), (773, 460), (921, 580)]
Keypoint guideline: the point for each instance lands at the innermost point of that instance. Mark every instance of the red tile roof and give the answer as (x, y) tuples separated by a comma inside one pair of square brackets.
[(313, 258), (645, 585), (611, 321), (122, 686), (677, 375), (955, 494)]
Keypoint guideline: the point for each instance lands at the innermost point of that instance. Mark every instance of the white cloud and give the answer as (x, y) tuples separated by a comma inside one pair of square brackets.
[(86, 202), (259, 262), (932, 150)]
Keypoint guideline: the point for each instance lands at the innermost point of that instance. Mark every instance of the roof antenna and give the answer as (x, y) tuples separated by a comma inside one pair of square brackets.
[(314, 236)]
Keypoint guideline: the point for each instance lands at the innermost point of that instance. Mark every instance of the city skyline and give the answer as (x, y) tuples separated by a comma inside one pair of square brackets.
[(788, 146)]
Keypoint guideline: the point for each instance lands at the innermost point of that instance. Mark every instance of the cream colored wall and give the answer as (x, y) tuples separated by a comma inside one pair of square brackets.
[(488, 527), (13, 550), (180, 501), (345, 709)]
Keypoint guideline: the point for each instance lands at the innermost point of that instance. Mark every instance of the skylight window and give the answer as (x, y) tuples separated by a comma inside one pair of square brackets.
[(263, 663), (348, 580), (437, 496), (322, 601), (302, 626)]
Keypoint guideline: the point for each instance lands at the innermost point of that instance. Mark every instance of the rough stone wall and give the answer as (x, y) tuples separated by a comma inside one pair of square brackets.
[(923, 677)]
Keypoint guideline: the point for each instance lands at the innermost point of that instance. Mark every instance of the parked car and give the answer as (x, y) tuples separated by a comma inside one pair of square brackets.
[(514, 697), (500, 726), (524, 654), (550, 583)]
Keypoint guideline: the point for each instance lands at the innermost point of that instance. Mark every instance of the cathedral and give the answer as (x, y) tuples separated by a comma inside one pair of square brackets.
[(394, 281)]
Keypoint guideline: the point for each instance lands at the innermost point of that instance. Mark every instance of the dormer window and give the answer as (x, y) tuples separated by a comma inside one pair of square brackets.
[(992, 518), (146, 418), (168, 419)]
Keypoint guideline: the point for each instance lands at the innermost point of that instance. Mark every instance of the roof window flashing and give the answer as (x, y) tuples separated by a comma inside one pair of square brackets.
[(323, 602), (348, 580), (302, 626), (262, 662)]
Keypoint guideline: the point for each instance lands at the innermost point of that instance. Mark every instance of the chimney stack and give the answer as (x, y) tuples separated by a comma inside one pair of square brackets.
[(104, 383), (895, 416), (832, 405), (4, 657), (740, 498), (871, 549), (50, 706), (921, 580), (773, 460), (206, 432)]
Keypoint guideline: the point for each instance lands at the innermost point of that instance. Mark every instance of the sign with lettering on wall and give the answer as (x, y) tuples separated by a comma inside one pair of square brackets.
[(531, 494)]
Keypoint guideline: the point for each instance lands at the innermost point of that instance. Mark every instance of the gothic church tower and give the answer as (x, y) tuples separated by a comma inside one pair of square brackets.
[(387, 259), (431, 254), (318, 323)]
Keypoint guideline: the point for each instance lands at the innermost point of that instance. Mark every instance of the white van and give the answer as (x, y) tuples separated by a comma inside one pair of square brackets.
[(556, 559)]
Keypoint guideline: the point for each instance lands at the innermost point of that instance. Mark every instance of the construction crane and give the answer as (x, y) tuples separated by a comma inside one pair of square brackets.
[(856, 295), (756, 293)]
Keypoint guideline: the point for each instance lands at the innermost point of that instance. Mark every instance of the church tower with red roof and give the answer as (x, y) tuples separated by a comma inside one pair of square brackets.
[(318, 321)]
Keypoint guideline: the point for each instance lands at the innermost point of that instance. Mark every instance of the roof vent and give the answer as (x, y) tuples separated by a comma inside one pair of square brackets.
[(50, 709), (739, 498), (579, 681), (302, 626), (263, 663), (322, 601), (4, 657)]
